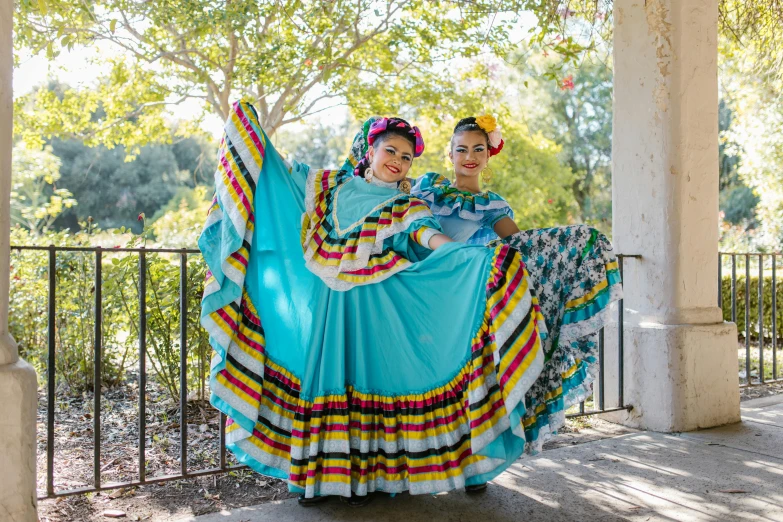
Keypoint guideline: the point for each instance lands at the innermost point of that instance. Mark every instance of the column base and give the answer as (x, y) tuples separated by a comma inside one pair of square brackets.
[(18, 390), (677, 377)]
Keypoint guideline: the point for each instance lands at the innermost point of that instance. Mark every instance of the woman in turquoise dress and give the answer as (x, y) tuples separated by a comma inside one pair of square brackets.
[(573, 272), (335, 373)]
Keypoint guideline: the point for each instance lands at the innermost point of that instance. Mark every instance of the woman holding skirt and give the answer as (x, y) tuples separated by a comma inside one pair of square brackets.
[(573, 272), (335, 371)]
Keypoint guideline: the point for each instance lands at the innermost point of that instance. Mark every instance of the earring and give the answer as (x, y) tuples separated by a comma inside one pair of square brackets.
[(486, 175), (368, 174)]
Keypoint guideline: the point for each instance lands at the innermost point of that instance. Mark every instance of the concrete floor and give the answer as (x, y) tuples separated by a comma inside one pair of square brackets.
[(724, 474)]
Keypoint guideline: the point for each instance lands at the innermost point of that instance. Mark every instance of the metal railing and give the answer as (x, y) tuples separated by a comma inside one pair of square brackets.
[(764, 261), (184, 472)]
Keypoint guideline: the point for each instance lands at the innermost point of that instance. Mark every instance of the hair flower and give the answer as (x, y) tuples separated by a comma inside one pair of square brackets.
[(495, 137), (487, 123)]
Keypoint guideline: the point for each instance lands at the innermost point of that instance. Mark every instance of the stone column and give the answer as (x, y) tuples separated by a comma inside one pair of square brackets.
[(681, 358), (17, 378)]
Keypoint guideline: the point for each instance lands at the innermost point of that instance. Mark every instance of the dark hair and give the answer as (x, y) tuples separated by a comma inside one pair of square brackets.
[(468, 125)]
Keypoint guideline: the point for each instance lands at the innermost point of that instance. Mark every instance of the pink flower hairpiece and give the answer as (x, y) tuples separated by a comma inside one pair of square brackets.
[(382, 124)]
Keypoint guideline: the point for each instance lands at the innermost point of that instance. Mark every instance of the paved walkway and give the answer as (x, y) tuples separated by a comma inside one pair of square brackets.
[(734, 473)]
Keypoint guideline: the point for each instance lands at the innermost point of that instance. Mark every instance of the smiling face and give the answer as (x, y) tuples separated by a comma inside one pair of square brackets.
[(469, 153), (391, 158)]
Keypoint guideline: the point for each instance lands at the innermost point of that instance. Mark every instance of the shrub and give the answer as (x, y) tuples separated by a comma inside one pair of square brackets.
[(75, 317), (766, 304)]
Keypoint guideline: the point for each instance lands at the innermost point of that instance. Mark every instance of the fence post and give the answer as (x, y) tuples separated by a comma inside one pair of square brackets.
[(142, 366), (96, 414)]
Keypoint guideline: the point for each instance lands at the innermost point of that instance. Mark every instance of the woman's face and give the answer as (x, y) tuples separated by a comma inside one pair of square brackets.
[(392, 158), (469, 153)]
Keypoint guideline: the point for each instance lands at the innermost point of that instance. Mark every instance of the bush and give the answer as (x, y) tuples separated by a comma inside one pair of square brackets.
[(766, 307), (75, 318)]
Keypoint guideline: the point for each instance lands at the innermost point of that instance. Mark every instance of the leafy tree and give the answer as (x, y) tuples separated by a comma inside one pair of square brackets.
[(752, 28), (575, 113), (527, 173), (757, 114), (36, 201), (737, 200), (319, 145), (291, 58), (180, 222), (196, 160), (109, 189)]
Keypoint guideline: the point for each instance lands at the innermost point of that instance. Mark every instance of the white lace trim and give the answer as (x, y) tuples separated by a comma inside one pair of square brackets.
[(427, 235), (571, 332), (380, 183), (342, 286)]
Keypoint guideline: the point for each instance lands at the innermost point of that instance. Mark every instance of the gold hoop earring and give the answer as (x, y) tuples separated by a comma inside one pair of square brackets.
[(486, 175), (368, 174)]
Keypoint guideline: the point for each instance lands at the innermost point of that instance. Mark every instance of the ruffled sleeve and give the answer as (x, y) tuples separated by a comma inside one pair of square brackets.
[(491, 217)]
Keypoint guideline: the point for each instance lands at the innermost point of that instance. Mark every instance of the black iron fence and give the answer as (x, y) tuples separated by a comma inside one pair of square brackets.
[(750, 300), (593, 407)]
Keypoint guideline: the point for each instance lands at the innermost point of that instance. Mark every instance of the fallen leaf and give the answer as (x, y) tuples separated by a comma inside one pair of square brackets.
[(114, 513), (117, 493)]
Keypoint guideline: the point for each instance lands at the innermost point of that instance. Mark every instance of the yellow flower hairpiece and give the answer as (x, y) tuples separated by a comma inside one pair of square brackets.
[(487, 123)]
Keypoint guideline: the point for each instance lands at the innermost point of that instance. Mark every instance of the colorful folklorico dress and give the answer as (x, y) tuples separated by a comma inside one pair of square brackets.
[(334, 371), (573, 273)]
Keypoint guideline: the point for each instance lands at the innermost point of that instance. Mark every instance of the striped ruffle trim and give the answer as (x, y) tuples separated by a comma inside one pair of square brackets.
[(543, 420), (590, 312), (583, 317), (228, 232), (444, 199), (364, 441), (355, 254)]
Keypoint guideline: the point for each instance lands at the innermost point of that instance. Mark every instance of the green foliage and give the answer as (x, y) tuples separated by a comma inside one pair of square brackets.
[(752, 27), (527, 173), (126, 108), (291, 58), (112, 190), (180, 222), (576, 114), (754, 301), (738, 202), (318, 145), (196, 160), (754, 96), (74, 320), (35, 199)]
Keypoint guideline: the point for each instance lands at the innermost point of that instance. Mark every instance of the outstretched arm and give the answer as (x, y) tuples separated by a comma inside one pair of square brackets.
[(505, 227), (439, 240), (430, 237)]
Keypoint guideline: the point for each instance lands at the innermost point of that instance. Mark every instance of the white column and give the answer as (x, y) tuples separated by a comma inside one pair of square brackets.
[(17, 378), (681, 358)]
